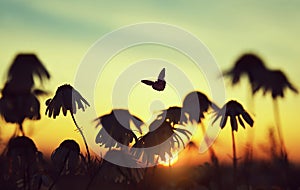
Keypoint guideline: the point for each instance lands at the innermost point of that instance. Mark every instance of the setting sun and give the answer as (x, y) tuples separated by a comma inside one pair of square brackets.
[(169, 161)]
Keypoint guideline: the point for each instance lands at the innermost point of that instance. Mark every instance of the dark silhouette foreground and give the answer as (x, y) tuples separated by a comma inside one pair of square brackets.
[(19, 96)]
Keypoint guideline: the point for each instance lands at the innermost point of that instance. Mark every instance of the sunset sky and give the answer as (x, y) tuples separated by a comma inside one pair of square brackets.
[(61, 33)]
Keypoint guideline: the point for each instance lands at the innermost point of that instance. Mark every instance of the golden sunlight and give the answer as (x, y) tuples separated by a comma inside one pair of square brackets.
[(149, 95), (170, 161)]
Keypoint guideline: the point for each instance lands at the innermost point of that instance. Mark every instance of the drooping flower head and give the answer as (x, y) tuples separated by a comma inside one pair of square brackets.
[(275, 82), (19, 96), (116, 128), (15, 109), (160, 141), (173, 115), (23, 69), (234, 111), (196, 104), (67, 99), (22, 147), (67, 157), (250, 65), (23, 158)]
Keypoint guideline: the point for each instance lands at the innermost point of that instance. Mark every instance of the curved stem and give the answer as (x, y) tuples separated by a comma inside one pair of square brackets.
[(234, 159), (81, 133), (21, 129)]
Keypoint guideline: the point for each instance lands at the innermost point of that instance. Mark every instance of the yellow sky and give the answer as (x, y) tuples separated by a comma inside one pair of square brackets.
[(61, 33)]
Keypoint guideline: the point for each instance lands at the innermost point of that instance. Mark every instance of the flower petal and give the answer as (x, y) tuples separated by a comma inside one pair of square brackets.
[(56, 108), (247, 118), (64, 109), (223, 121), (80, 105), (241, 121), (74, 109), (216, 118), (48, 101), (233, 123)]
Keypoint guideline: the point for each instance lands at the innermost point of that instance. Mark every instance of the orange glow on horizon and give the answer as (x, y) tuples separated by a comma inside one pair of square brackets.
[(170, 161)]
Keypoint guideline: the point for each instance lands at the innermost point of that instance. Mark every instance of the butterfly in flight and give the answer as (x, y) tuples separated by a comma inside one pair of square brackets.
[(160, 83)]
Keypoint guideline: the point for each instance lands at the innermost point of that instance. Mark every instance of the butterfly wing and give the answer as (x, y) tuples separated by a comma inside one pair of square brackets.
[(162, 74), (147, 82)]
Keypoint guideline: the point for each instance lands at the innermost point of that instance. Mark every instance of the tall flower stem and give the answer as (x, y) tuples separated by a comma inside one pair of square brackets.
[(21, 129), (278, 127), (251, 133), (248, 161), (234, 160), (283, 152), (85, 142)]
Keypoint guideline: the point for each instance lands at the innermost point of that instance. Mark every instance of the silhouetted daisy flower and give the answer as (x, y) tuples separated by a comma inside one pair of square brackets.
[(19, 97), (116, 128), (173, 115), (15, 108), (196, 104), (161, 140), (275, 82), (67, 157), (235, 111), (23, 69), (250, 65), (67, 99), (25, 163)]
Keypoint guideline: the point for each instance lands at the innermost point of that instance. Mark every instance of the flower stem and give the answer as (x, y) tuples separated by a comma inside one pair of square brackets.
[(278, 126), (250, 139), (21, 129), (234, 160), (81, 133), (251, 133), (283, 152)]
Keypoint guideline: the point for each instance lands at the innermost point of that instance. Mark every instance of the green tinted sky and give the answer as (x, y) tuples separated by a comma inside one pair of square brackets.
[(60, 32)]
